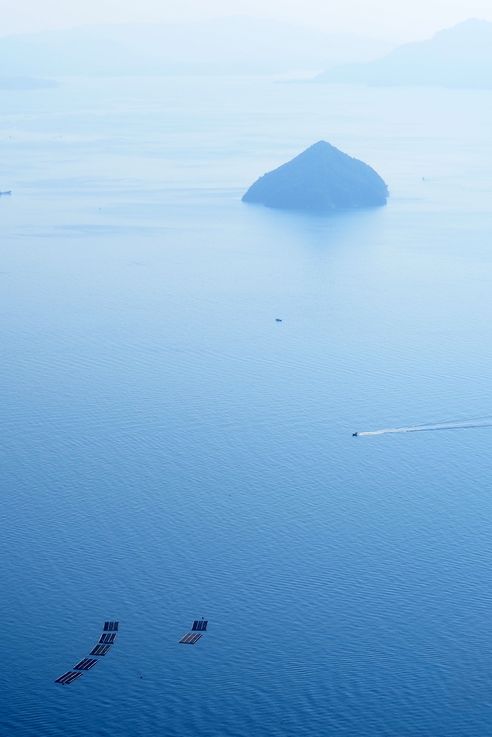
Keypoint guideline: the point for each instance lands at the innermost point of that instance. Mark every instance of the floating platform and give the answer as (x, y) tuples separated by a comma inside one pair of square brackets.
[(85, 664), (107, 638), (100, 650), (191, 638), (67, 678), (200, 625), (104, 645)]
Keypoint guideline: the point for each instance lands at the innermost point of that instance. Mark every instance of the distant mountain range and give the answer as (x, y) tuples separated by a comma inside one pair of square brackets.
[(235, 45), (457, 57)]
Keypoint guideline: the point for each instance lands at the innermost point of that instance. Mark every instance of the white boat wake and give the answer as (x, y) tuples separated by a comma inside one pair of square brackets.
[(460, 424)]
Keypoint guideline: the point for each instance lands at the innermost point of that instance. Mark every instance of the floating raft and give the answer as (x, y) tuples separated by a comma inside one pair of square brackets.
[(198, 627), (107, 638), (191, 638), (85, 664), (68, 677), (102, 648)]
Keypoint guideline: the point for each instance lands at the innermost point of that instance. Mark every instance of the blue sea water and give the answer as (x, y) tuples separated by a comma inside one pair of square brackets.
[(169, 451)]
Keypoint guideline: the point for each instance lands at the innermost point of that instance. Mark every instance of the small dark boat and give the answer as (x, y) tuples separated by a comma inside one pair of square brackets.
[(278, 319), (355, 434)]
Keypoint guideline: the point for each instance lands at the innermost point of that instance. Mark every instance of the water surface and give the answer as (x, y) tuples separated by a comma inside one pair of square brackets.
[(169, 451)]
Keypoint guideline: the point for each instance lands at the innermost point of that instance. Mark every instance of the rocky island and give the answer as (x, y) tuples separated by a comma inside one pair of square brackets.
[(321, 179)]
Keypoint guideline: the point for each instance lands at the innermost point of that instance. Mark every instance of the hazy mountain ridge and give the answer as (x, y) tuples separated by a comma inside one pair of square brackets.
[(460, 56), (235, 45)]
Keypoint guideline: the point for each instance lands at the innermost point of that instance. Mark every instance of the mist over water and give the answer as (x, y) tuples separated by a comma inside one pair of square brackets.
[(169, 451)]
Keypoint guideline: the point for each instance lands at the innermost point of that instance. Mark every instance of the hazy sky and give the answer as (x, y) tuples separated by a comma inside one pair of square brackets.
[(396, 19)]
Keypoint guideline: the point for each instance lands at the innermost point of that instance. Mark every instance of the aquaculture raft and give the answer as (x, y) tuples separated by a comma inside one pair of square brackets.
[(102, 648), (198, 627)]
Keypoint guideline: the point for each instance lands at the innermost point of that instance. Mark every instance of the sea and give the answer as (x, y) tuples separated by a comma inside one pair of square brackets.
[(170, 451)]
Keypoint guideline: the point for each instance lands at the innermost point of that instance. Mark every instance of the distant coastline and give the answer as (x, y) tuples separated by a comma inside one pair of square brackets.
[(457, 57)]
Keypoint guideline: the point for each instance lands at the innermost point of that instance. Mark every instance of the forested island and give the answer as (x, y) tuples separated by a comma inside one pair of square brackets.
[(320, 179)]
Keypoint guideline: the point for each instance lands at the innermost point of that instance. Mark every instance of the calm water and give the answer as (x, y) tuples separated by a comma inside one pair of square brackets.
[(169, 451)]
